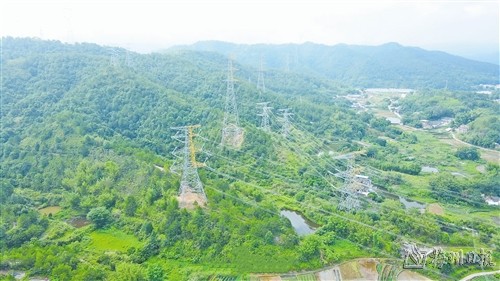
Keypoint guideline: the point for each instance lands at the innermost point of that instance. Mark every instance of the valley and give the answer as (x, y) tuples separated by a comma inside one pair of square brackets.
[(178, 166)]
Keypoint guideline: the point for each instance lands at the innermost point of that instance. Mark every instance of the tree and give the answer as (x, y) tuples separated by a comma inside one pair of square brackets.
[(269, 237), (468, 153), (6, 189), (290, 240), (309, 248), (100, 216), (447, 269), (152, 247), (153, 194), (85, 272), (130, 206), (156, 273), (444, 187), (62, 272), (108, 200), (372, 152), (147, 228), (74, 201), (129, 272)]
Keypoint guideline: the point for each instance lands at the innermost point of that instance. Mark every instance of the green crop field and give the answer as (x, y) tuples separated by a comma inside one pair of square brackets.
[(112, 240)]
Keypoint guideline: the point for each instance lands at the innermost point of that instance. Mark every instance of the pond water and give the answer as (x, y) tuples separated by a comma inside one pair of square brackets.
[(299, 223), (427, 169), (394, 120), (411, 204), (406, 202)]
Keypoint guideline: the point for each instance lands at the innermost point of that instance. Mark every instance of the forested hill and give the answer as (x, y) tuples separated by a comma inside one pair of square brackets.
[(388, 65), (61, 98), (86, 130), (86, 190), (50, 72)]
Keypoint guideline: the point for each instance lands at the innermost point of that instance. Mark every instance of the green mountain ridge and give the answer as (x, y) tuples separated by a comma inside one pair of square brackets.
[(387, 65)]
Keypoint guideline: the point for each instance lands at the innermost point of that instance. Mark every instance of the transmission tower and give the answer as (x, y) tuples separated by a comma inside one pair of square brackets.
[(286, 125), (128, 54), (128, 62), (114, 57), (266, 111), (232, 133), (191, 189), (261, 87), (349, 200)]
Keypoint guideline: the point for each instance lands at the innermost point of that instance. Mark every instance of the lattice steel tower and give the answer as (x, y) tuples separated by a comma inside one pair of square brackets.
[(232, 133), (349, 200), (114, 57), (286, 125), (266, 111), (191, 189)]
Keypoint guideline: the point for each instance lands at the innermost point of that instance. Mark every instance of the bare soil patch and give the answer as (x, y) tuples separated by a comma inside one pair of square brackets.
[(436, 209), (190, 200)]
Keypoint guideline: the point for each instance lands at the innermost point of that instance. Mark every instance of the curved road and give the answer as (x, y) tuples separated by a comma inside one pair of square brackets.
[(470, 144), (452, 134), (470, 277)]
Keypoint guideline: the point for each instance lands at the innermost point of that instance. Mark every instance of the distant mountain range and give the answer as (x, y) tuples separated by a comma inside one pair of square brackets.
[(388, 65)]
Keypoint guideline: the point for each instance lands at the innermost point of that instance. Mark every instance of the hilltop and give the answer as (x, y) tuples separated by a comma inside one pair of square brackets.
[(389, 65)]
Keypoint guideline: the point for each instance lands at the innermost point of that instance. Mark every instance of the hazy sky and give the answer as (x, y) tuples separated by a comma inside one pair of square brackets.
[(455, 26)]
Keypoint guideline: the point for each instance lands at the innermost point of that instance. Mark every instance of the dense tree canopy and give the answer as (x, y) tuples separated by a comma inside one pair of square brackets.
[(87, 193)]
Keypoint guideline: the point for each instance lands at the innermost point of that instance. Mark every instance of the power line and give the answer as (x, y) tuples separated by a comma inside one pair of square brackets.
[(377, 171), (377, 229), (397, 195), (272, 212), (444, 224), (344, 193)]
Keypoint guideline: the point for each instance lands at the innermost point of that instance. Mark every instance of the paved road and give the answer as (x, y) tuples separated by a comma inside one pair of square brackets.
[(470, 277), (469, 144)]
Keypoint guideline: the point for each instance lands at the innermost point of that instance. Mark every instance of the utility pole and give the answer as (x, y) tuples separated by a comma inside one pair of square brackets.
[(232, 133), (191, 189), (266, 110), (261, 87), (286, 125)]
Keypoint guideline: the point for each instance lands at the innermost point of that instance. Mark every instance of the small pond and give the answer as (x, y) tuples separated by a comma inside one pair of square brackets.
[(301, 225), (427, 169), (411, 204), (394, 120), (406, 202)]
